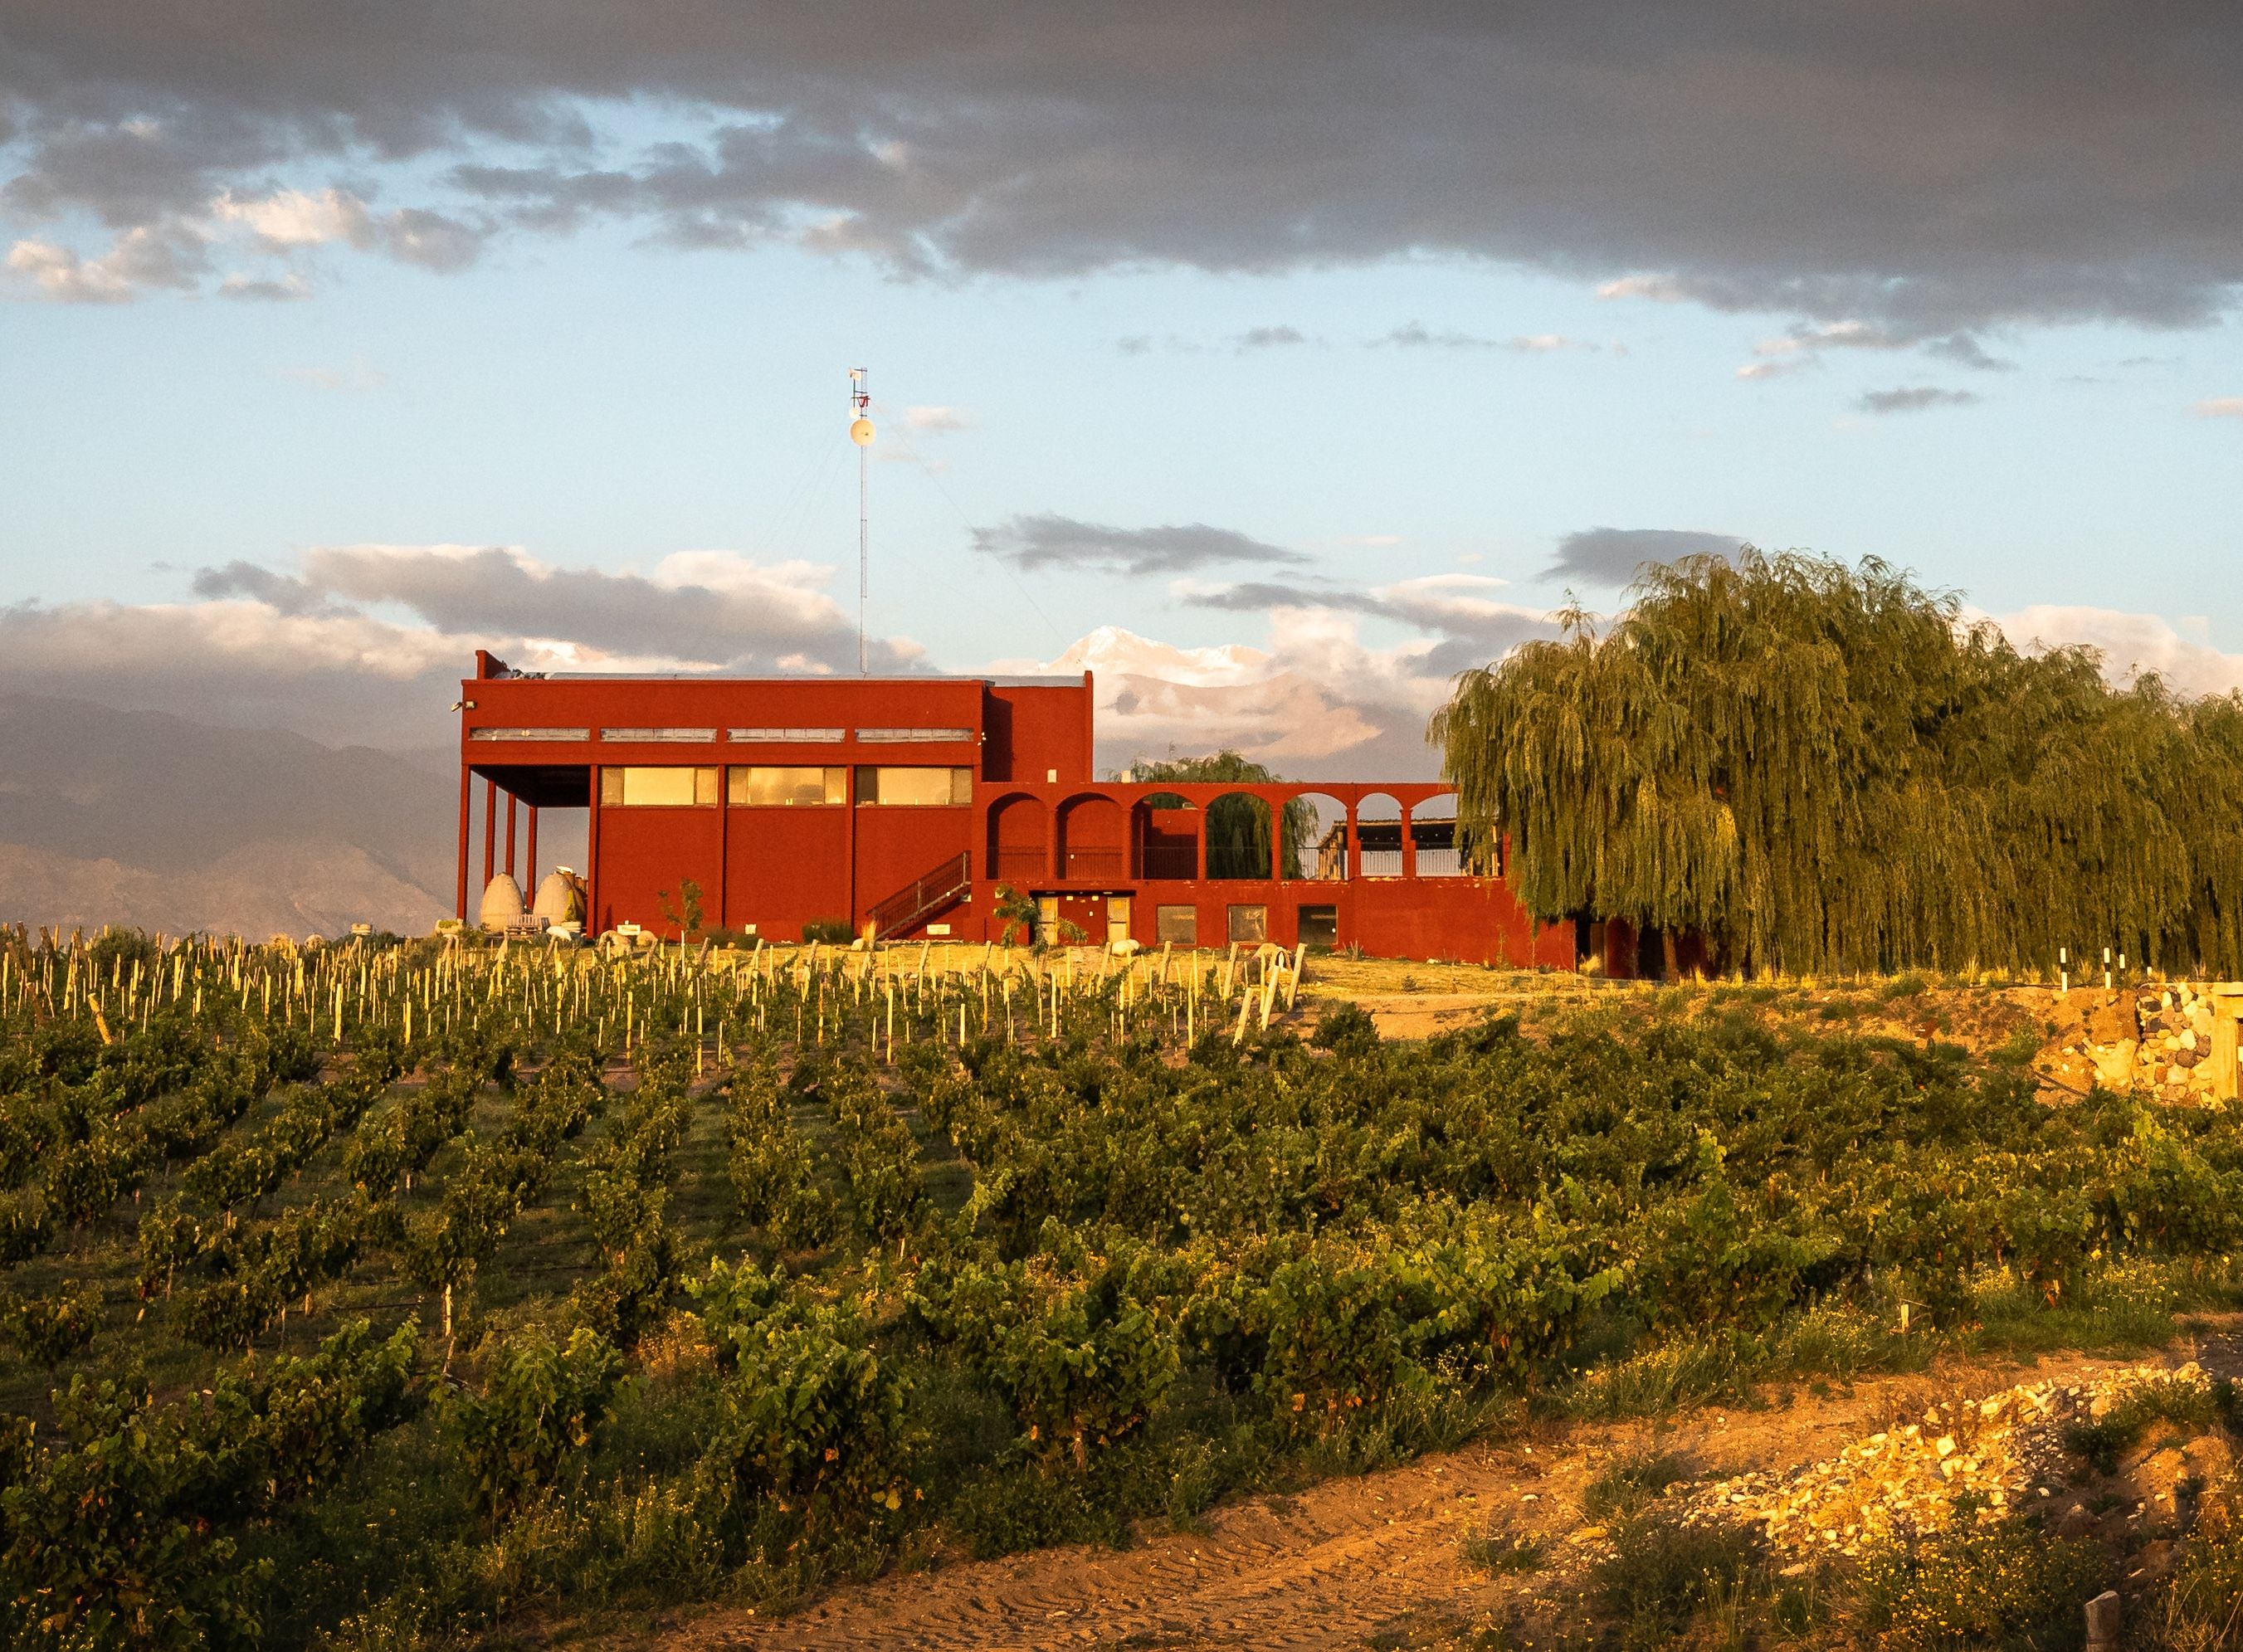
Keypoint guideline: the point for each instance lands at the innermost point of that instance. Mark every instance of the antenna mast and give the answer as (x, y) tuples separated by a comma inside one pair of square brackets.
[(860, 432)]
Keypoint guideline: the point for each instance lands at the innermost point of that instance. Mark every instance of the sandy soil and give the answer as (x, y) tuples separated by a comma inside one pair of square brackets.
[(1378, 1555)]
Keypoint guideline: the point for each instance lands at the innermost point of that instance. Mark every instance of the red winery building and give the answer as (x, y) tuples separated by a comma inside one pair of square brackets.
[(905, 802)]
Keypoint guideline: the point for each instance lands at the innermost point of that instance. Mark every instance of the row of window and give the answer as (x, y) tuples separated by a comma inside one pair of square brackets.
[(1249, 925), (708, 737), (767, 787)]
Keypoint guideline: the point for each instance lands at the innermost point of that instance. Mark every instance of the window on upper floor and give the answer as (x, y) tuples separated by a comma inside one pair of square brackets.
[(630, 788), (914, 787), (763, 786)]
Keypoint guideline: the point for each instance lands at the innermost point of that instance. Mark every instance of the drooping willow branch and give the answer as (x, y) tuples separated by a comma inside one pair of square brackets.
[(1826, 768)]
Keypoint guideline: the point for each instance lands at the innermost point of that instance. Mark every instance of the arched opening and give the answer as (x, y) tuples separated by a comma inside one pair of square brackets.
[(1316, 837), (1378, 834), (1168, 838), (1441, 853), (1016, 839), (1239, 841), (1092, 844)]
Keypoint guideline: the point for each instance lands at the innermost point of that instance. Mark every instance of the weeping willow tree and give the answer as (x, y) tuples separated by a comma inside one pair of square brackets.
[(1825, 768)]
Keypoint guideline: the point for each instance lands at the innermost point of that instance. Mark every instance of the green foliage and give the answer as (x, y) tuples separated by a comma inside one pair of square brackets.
[(685, 913), (1237, 825), (1823, 768), (536, 1409), (1346, 1029), (834, 931), (1664, 1568), (2200, 1607), (1979, 1582), (123, 1527), (49, 1330), (1082, 1346), (814, 1438)]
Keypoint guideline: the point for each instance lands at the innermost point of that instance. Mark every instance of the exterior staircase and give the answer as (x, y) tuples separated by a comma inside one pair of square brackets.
[(923, 897)]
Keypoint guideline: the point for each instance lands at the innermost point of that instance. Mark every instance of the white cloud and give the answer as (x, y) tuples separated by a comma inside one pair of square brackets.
[(933, 420), (139, 257), (1659, 289), (2131, 645), (292, 217), (2220, 407)]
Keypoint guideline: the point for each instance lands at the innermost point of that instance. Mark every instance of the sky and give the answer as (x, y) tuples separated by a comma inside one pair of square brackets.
[(1273, 362)]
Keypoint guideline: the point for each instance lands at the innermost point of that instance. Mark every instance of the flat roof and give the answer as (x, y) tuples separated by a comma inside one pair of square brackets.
[(705, 676)]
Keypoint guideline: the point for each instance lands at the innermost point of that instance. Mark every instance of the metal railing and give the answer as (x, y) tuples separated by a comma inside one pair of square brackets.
[(929, 893)]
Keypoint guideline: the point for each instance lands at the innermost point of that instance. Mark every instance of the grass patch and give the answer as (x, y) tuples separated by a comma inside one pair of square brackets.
[(2003, 1584), (1629, 1484), (2200, 1608), (1500, 1554), (1664, 1571), (2191, 1406)]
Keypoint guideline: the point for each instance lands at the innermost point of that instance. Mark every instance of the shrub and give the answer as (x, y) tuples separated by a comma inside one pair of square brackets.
[(814, 1437), (540, 1403), (1663, 1569), (47, 1330), (1346, 1029), (2003, 1583), (1082, 1350)]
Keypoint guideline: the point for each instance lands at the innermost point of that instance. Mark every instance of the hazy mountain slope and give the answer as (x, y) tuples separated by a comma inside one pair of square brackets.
[(141, 818), (258, 891)]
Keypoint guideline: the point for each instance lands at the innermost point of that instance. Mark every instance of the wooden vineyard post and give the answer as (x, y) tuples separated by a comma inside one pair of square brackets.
[(2226, 1009)]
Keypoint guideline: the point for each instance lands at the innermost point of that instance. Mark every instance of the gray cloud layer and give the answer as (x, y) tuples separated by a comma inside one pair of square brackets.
[(1929, 167), (1050, 540), (1612, 556), (1914, 398)]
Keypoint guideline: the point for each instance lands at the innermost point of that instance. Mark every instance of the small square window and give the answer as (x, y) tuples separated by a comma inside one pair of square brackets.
[(1176, 925), (1250, 925), (1319, 926)]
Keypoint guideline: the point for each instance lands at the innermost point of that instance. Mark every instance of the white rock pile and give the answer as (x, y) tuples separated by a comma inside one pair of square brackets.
[(2005, 1451)]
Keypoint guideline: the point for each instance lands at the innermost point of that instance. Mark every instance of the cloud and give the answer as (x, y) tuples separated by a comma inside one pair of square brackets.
[(2220, 407), (1932, 170), (1414, 335), (2131, 645), (1803, 344), (1965, 351), (1313, 699), (1614, 556), (1914, 398), (277, 290), (1048, 541), (934, 420), (1268, 338), (367, 642), (138, 259)]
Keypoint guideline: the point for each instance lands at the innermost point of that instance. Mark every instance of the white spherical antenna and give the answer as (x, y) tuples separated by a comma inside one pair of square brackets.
[(861, 433)]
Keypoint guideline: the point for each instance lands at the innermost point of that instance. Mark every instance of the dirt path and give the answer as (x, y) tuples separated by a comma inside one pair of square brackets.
[(1348, 1559)]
